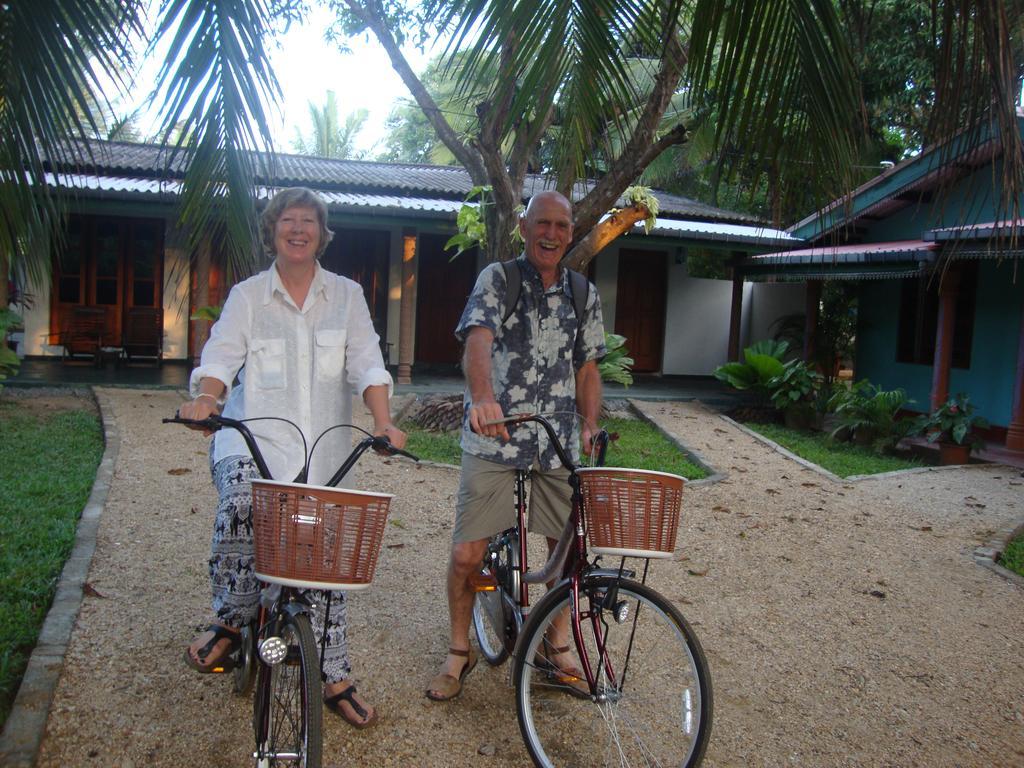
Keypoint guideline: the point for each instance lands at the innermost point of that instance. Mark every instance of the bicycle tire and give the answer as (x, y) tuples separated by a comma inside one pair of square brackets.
[(288, 709), (495, 612), (243, 676), (653, 708)]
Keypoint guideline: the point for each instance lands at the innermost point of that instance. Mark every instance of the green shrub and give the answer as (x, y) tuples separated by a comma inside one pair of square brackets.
[(762, 363), (870, 415)]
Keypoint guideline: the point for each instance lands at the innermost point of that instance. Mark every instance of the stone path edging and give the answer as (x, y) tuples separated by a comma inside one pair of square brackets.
[(988, 555), (714, 475), (23, 731), (985, 556)]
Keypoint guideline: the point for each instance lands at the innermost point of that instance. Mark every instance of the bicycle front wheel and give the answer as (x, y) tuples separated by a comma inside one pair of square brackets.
[(288, 703), (652, 702)]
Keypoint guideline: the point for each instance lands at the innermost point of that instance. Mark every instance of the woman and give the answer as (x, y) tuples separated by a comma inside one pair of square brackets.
[(300, 340)]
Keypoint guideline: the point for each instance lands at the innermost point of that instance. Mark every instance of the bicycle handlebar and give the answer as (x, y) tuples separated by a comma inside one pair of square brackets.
[(379, 443), (600, 440)]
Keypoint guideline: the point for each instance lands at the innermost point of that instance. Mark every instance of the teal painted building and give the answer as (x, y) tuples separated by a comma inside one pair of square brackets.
[(940, 280)]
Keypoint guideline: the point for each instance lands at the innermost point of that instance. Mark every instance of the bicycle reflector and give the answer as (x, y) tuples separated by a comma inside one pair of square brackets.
[(273, 650)]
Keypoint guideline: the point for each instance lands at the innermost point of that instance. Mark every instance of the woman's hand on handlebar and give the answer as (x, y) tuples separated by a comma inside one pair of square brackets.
[(396, 436), (199, 409)]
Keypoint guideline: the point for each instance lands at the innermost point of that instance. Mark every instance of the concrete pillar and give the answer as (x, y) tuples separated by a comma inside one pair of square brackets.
[(408, 306), (201, 298), (949, 289), (735, 309), (1015, 431), (811, 310)]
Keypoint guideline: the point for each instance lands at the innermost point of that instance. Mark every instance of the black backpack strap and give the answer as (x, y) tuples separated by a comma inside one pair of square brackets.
[(579, 292), (579, 287), (513, 287)]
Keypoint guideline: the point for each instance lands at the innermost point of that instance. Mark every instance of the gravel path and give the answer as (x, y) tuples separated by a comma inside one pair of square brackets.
[(845, 624)]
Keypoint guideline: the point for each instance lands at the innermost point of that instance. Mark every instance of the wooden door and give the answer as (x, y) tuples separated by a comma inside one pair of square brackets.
[(640, 306), (109, 263), (362, 255), (442, 289)]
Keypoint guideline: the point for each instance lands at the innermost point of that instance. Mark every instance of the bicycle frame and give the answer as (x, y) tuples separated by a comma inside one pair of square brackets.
[(574, 566)]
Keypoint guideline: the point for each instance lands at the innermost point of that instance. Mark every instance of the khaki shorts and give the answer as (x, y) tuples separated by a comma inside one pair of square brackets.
[(485, 504)]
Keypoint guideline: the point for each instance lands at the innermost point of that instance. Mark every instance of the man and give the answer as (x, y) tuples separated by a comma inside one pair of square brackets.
[(542, 359)]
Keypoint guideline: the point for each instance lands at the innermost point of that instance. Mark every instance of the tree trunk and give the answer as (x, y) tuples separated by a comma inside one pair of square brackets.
[(4, 278)]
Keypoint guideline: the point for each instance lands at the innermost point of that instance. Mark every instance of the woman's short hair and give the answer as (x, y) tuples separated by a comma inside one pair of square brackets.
[(293, 197)]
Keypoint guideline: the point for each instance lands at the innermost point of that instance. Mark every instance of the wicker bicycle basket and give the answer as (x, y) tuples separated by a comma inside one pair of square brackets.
[(315, 537), (631, 512)]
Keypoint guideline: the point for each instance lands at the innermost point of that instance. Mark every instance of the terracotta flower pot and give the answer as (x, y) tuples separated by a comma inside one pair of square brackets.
[(954, 453)]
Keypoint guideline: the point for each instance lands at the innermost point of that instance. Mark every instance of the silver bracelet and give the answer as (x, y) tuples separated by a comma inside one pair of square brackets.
[(206, 394)]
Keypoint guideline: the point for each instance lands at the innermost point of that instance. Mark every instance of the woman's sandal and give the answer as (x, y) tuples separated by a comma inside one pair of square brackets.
[(446, 687), (348, 695), (224, 662), (572, 680)]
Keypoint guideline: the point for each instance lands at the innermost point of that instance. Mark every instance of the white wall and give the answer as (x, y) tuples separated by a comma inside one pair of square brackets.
[(697, 323), (37, 323), (770, 302), (175, 299)]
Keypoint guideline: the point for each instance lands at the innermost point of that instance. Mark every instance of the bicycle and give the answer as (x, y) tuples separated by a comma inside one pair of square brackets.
[(305, 537), (644, 697)]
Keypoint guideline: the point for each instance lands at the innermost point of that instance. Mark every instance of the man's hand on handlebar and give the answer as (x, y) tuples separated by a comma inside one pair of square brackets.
[(483, 416)]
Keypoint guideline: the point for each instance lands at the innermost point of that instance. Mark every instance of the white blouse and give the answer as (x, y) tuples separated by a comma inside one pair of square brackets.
[(300, 364)]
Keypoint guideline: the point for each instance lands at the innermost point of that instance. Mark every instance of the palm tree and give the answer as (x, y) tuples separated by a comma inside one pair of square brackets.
[(212, 91), (329, 137)]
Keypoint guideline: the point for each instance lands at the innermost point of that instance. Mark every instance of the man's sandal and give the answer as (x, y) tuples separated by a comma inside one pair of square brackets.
[(572, 680), (349, 696), (446, 687), (222, 662)]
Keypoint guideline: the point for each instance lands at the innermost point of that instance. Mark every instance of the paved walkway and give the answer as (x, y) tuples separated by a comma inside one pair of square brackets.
[(845, 623)]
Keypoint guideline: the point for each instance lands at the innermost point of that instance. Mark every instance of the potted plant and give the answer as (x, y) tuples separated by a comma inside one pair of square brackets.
[(794, 392), (952, 425)]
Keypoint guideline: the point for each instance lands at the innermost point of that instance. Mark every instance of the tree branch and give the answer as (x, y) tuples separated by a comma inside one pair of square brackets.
[(465, 154), (603, 233), (643, 145)]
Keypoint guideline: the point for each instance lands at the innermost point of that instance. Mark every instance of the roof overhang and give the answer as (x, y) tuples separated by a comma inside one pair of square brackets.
[(866, 261)]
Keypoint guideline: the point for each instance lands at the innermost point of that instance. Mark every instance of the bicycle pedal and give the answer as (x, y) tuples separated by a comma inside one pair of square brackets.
[(483, 582)]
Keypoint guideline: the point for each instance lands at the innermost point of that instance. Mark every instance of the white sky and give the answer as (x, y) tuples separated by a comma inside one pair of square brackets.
[(307, 67)]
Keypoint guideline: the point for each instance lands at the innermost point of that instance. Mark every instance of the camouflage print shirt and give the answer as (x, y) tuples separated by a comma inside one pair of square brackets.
[(533, 362)]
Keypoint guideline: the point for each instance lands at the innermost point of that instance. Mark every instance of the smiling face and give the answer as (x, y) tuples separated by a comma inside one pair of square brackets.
[(547, 230), (297, 235)]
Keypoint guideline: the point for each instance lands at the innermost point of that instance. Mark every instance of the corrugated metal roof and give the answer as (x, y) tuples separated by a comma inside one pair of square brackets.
[(150, 161), (864, 261), (982, 231), (728, 233), (431, 207), (861, 253)]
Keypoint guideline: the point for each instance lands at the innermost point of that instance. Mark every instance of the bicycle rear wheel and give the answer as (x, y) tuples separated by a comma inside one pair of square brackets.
[(494, 612), (652, 704), (288, 704)]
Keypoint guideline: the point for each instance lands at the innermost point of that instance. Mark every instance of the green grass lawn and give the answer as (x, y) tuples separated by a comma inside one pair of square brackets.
[(47, 468), (639, 446), (842, 459), (1013, 557)]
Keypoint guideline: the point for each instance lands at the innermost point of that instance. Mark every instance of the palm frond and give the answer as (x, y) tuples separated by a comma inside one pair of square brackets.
[(213, 87), (54, 55)]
